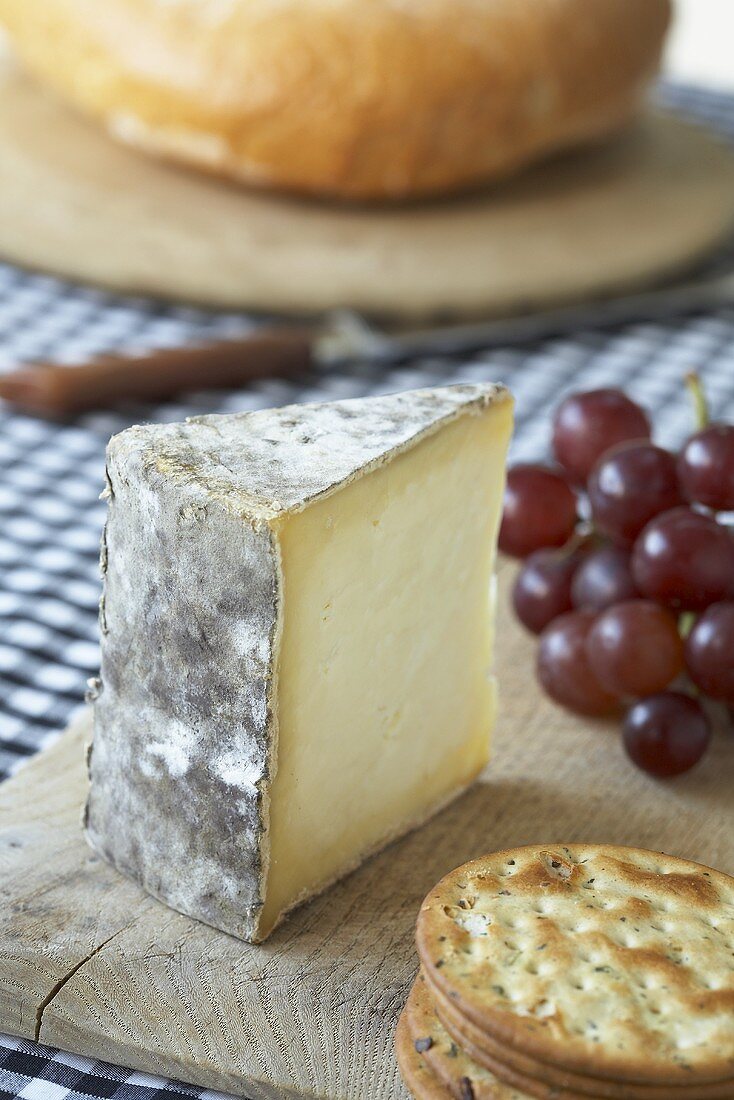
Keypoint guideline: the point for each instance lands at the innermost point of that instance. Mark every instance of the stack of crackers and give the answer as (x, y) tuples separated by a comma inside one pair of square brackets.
[(574, 971)]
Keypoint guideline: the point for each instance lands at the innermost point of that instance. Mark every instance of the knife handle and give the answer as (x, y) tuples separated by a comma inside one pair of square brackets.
[(56, 390)]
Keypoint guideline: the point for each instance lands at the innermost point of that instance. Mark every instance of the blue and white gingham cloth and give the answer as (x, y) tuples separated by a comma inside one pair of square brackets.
[(51, 477)]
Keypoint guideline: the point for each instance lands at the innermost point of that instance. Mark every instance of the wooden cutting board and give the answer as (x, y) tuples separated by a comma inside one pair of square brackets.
[(91, 964), (624, 213)]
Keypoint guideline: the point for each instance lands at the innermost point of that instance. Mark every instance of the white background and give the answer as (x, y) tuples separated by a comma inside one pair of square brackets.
[(701, 48)]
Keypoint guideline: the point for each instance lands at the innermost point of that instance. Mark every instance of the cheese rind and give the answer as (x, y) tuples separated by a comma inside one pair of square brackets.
[(199, 577), (182, 747)]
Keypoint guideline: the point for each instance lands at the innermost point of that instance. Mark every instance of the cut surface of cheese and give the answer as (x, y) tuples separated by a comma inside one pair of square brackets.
[(390, 711), (296, 642)]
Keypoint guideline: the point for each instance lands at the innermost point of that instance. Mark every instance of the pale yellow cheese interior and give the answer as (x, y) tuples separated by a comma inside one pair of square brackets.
[(385, 697)]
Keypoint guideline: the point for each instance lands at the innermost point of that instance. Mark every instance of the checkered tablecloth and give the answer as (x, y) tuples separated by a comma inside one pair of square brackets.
[(36, 1072), (51, 477)]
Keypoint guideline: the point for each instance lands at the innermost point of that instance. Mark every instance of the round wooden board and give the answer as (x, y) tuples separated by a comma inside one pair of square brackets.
[(76, 204)]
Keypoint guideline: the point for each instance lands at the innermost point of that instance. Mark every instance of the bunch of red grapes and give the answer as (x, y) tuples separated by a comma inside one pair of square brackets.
[(628, 573)]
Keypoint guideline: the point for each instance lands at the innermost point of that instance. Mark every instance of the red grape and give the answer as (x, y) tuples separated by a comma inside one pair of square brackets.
[(685, 559), (634, 648), (706, 467), (539, 510), (666, 734), (710, 652), (542, 588), (629, 486), (604, 577), (588, 424), (563, 667)]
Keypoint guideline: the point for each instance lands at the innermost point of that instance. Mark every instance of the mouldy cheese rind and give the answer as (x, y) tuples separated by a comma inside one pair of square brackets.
[(223, 536)]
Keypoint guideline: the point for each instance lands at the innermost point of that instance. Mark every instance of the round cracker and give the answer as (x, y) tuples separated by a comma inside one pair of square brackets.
[(487, 1052), (419, 1080), (449, 1062), (611, 962)]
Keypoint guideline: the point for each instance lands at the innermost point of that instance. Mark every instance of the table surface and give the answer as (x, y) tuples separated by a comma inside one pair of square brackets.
[(51, 475)]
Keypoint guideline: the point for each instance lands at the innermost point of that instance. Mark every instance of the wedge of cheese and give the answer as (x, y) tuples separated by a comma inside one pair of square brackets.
[(296, 635)]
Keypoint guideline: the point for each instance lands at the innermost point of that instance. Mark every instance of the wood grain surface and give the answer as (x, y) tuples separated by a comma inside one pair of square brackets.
[(90, 964), (618, 215)]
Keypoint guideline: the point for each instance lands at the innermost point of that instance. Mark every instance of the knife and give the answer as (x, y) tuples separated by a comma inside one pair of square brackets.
[(59, 390)]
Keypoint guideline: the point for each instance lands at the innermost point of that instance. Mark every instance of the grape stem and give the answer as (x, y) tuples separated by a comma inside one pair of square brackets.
[(700, 404), (584, 538), (686, 623)]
